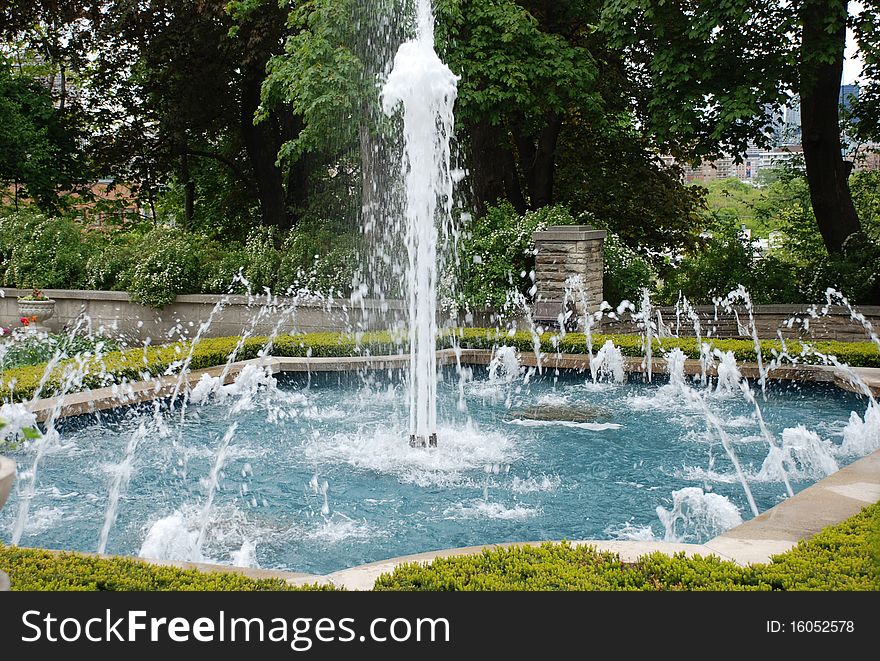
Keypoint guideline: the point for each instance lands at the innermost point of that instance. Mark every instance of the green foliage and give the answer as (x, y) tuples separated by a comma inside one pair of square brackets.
[(38, 143), (511, 63), (41, 570), (857, 354), (736, 199), (661, 40), (841, 557), (726, 260), (156, 264), (626, 272), (20, 383), (261, 259), (318, 257), (497, 256), (865, 188), (611, 171), (44, 252), (25, 348), (855, 272), (112, 267), (319, 75), (167, 265)]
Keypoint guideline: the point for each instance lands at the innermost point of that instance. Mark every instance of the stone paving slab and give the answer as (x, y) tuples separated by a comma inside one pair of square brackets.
[(7, 477)]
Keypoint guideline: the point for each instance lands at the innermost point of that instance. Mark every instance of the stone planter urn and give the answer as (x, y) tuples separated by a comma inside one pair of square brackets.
[(7, 477), (41, 310)]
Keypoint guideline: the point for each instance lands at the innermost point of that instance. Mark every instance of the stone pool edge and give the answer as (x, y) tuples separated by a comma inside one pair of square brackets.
[(102, 399)]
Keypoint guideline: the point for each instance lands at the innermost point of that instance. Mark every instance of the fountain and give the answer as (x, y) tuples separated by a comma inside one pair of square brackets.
[(426, 90), (225, 468)]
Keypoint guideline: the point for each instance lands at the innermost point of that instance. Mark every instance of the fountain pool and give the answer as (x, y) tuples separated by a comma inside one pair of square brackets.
[(315, 477)]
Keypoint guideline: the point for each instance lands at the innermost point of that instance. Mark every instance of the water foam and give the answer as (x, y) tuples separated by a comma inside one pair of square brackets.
[(696, 515), (861, 435), (483, 509), (588, 426), (380, 450)]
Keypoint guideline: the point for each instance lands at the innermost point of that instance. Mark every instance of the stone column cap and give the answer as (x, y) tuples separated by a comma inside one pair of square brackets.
[(570, 233)]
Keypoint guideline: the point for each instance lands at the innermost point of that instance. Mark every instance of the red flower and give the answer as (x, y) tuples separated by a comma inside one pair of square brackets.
[(25, 321)]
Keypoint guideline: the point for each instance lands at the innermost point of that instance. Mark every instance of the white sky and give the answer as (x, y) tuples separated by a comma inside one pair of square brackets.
[(852, 68)]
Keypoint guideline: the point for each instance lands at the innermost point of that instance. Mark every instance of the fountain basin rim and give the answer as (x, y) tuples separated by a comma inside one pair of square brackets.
[(110, 397), (7, 477)]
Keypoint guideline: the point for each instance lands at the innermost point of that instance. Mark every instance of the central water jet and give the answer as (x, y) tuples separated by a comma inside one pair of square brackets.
[(426, 89)]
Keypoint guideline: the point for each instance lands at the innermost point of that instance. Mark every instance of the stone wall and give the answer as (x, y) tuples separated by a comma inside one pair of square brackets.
[(791, 321), (113, 314), (564, 252)]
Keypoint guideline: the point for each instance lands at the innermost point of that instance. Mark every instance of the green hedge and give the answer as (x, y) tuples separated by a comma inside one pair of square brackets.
[(137, 364), (843, 557), (856, 354), (38, 569)]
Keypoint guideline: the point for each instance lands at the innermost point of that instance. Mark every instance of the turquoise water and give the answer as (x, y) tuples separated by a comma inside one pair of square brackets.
[(496, 476)]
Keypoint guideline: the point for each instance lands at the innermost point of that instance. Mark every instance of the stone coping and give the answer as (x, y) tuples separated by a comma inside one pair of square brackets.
[(7, 477), (831, 500), (568, 233), (102, 399), (209, 299), (394, 304)]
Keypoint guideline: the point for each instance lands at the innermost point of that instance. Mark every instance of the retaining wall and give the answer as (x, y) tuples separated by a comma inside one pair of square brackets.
[(115, 315)]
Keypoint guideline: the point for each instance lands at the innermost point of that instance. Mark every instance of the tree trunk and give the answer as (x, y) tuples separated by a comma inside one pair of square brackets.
[(821, 70), (189, 187), (493, 171), (263, 154), (543, 172), (537, 157), (373, 180)]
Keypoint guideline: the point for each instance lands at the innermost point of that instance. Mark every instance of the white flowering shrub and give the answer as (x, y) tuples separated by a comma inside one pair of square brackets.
[(168, 265)]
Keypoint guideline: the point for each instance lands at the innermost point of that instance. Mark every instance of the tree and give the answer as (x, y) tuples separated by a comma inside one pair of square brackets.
[(537, 82), (710, 74), (172, 82), (526, 68), (38, 142)]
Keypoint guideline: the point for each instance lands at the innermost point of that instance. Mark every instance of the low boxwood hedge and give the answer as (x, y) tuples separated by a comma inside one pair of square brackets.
[(38, 569), (842, 557), (21, 383)]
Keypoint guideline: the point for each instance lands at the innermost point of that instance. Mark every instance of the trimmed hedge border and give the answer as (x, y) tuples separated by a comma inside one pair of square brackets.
[(38, 569), (842, 557), (19, 384), (845, 557)]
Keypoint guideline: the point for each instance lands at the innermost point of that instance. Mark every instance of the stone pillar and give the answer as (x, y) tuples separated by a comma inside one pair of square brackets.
[(564, 251)]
